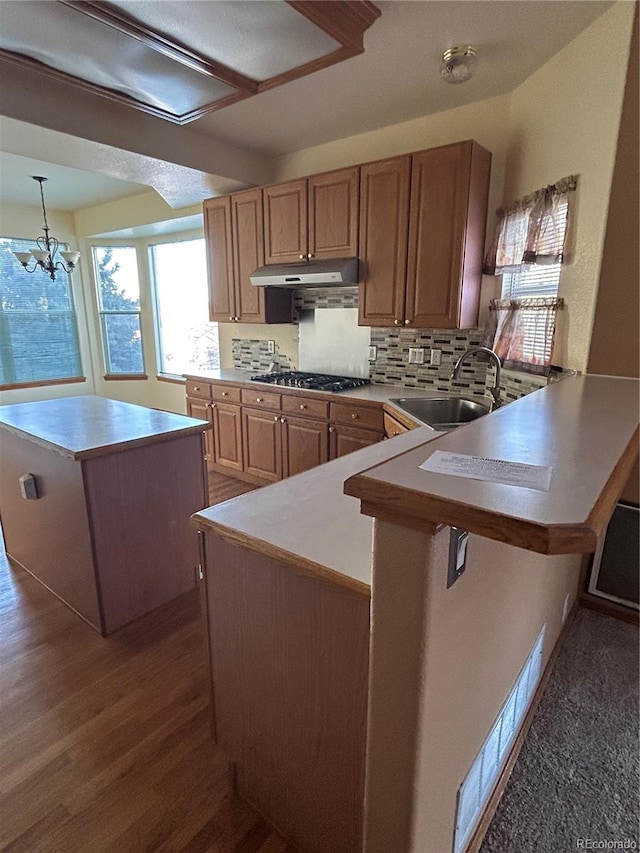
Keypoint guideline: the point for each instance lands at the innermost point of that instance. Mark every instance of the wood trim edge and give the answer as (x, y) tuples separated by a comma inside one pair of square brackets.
[(300, 565)]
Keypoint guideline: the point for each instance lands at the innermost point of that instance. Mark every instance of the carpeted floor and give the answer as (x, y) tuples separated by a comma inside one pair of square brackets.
[(576, 784)]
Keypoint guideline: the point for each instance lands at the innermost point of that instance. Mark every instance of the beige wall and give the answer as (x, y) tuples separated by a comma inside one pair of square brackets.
[(564, 120), (443, 661)]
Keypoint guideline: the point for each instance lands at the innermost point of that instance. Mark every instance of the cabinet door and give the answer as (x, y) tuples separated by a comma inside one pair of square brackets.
[(441, 231), (227, 436), (384, 219), (217, 232), (248, 253), (262, 444), (201, 409), (345, 440), (305, 444), (333, 214), (285, 222)]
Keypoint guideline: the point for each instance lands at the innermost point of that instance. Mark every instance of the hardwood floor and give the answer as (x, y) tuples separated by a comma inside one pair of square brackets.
[(104, 743)]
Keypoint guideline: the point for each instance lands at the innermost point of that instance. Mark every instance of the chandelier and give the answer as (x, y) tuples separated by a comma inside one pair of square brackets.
[(45, 255)]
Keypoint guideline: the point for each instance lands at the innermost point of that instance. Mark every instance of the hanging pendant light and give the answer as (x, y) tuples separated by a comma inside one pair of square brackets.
[(45, 256)]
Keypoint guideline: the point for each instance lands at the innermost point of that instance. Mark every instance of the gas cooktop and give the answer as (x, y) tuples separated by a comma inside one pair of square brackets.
[(312, 381)]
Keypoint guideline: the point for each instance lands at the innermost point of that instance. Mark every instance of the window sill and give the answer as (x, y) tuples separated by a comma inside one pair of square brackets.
[(124, 377), (41, 383), (168, 377)]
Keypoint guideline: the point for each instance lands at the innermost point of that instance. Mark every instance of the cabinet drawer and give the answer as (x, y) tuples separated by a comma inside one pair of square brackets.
[(225, 393), (367, 417), (305, 406), (260, 399), (198, 389)]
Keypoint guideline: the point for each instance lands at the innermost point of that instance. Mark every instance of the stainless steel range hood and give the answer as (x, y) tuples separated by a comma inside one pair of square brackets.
[(325, 273)]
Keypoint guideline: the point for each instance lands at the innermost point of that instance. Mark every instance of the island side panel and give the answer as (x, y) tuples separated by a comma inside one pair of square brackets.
[(140, 501), (49, 537), (289, 660)]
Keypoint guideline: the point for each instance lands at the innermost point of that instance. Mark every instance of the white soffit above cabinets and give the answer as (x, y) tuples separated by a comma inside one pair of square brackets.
[(181, 59)]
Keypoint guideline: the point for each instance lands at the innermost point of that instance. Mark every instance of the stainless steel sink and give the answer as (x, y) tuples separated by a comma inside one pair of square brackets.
[(442, 413)]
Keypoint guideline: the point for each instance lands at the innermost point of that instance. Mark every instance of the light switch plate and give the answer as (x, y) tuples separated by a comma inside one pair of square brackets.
[(271, 347), (416, 355), (436, 357), (458, 540), (373, 353)]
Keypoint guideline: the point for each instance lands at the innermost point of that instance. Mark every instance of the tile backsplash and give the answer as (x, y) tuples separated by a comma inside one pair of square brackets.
[(392, 353)]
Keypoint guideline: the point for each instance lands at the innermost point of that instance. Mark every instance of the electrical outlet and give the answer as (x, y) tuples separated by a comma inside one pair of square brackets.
[(436, 357), (271, 347), (373, 353), (416, 355), (565, 608)]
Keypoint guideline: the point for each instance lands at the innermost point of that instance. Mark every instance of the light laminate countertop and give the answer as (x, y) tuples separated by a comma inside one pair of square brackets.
[(307, 522), (585, 428), (374, 393), (86, 426)]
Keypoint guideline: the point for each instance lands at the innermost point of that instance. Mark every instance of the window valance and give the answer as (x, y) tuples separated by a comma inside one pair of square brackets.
[(532, 230)]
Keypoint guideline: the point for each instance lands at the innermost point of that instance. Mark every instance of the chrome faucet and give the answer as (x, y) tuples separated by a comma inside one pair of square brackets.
[(495, 390)]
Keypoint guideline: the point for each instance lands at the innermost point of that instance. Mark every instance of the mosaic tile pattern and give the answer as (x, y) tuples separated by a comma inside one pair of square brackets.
[(514, 385), (310, 298), (392, 362), (253, 355)]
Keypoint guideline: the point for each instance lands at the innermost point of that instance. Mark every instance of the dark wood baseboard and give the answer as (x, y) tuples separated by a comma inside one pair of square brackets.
[(487, 816), (610, 608)]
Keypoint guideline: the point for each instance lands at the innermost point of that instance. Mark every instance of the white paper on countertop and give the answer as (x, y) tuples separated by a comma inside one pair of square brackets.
[(490, 470)]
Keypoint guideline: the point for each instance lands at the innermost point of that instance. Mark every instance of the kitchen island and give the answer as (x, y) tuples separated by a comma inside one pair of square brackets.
[(351, 733), (103, 520)]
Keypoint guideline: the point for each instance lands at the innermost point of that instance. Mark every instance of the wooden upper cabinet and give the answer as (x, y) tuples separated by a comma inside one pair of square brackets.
[(449, 189), (217, 229), (248, 253), (234, 235), (333, 214), (384, 221), (285, 217), (422, 227), (312, 218)]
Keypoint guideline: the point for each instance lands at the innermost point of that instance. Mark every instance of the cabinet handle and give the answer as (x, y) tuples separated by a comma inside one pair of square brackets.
[(212, 405), (283, 420), (259, 399), (354, 417), (303, 406), (395, 322), (237, 319), (301, 257), (225, 393), (276, 418), (232, 319), (196, 387), (406, 322), (332, 429), (310, 255)]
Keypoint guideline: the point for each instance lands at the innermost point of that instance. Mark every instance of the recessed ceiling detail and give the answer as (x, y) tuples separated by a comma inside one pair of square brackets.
[(181, 59)]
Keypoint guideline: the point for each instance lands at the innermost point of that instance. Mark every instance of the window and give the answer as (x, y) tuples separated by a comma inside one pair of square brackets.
[(38, 326), (116, 270), (527, 280), (187, 341)]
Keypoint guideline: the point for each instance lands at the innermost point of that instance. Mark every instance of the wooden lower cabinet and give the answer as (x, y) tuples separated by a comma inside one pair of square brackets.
[(345, 440), (226, 436), (263, 436), (305, 444), (262, 444), (201, 409)]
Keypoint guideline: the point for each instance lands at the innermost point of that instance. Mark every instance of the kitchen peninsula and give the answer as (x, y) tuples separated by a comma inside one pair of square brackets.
[(102, 521), (354, 686)]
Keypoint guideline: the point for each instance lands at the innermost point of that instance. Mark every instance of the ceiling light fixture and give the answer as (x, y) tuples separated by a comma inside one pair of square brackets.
[(45, 255), (459, 64)]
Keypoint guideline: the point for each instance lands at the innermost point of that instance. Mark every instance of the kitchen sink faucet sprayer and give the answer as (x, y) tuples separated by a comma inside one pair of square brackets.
[(495, 390)]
